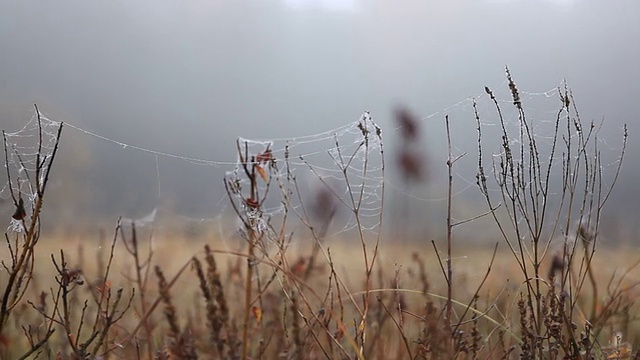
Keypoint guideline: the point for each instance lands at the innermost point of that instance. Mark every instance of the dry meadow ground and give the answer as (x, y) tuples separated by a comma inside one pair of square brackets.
[(548, 289), (398, 283)]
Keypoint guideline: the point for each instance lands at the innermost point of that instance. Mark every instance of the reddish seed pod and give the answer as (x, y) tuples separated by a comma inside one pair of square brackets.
[(252, 203), (265, 157)]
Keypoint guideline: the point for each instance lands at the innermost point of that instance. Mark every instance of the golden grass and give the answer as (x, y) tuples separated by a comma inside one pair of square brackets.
[(396, 268), (272, 295)]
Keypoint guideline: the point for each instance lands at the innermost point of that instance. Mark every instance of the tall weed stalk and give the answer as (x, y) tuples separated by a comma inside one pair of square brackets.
[(550, 194)]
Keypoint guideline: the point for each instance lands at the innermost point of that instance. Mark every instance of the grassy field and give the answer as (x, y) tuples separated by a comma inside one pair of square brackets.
[(547, 289), (407, 297)]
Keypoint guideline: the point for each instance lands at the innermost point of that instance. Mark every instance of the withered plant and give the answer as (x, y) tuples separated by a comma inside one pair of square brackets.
[(27, 175), (84, 327), (549, 195), (545, 193)]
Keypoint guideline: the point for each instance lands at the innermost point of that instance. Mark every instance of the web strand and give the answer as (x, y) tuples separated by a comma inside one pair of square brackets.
[(335, 160)]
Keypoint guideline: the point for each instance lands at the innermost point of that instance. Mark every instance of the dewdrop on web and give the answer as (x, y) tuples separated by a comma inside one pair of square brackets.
[(15, 226)]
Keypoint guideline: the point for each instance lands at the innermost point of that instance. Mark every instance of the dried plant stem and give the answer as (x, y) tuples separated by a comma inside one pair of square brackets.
[(142, 267), (22, 264), (247, 294), (158, 300), (449, 226), (251, 260), (525, 187)]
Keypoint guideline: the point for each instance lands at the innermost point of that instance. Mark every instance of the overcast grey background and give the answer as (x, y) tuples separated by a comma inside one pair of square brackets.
[(188, 77)]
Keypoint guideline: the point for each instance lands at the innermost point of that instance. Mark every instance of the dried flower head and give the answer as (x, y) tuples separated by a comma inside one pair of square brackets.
[(557, 265), (411, 165), (324, 208), (72, 276), (265, 157), (409, 125)]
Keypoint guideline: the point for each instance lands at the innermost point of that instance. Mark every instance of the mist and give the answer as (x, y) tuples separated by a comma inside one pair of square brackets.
[(188, 78)]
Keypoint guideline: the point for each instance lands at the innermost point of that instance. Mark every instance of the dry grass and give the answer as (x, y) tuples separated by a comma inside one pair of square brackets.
[(542, 292), (186, 317)]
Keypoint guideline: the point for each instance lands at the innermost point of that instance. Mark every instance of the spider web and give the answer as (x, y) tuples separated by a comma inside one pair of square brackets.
[(28, 155), (331, 183), (328, 184), (427, 204)]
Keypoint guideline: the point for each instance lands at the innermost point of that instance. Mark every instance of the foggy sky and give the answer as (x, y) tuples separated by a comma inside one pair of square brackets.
[(189, 77)]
